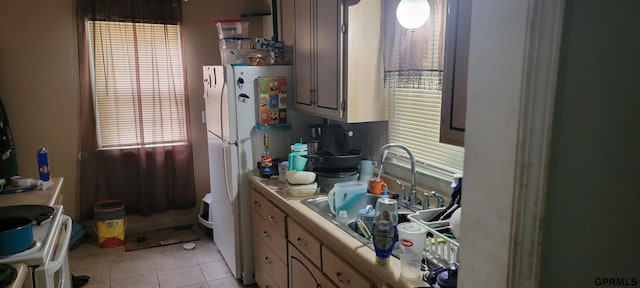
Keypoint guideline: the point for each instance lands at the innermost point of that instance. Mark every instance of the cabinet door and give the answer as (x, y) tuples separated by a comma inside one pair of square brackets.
[(302, 273), (268, 267), (303, 53), (286, 22), (454, 94), (329, 56)]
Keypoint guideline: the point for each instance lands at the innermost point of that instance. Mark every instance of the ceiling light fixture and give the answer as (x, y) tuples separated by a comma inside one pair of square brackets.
[(412, 14)]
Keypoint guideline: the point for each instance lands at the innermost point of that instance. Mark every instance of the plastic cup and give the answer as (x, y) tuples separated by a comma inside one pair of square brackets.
[(412, 237)]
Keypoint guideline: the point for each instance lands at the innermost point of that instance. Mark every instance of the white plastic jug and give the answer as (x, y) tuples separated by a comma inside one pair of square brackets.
[(350, 196)]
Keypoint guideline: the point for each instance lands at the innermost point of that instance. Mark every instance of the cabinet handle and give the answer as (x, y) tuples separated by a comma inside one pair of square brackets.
[(345, 281), (266, 260), (273, 219), (256, 203), (301, 242), (265, 234)]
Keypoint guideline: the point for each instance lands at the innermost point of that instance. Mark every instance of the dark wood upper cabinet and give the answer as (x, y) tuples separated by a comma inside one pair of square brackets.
[(454, 92)]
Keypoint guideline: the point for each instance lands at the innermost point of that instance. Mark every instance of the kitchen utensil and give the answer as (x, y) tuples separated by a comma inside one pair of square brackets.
[(326, 180), (334, 141), (300, 177), (412, 237), (366, 170), (16, 235), (323, 159), (296, 161), (349, 196), (384, 156), (366, 215), (302, 190), (455, 222), (36, 213), (377, 186)]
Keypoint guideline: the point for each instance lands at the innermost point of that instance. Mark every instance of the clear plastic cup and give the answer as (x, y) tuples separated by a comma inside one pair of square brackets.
[(412, 237)]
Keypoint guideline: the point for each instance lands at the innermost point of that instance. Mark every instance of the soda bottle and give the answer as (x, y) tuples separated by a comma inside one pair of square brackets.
[(266, 162)]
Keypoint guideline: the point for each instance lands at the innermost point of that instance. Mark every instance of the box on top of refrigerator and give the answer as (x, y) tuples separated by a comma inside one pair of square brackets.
[(273, 100)]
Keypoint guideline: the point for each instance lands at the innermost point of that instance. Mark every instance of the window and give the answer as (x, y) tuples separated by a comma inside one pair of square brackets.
[(138, 87), (415, 96)]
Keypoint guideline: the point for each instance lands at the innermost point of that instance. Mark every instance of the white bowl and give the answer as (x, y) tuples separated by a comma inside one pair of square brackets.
[(300, 177)]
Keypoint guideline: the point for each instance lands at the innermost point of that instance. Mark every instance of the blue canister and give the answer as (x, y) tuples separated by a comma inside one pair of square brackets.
[(43, 163), (367, 214)]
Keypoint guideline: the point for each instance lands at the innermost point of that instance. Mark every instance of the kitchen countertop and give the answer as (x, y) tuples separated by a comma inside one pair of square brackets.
[(47, 197), (350, 249)]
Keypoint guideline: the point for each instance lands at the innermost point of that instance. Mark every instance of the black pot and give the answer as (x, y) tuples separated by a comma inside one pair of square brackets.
[(16, 235), (352, 160)]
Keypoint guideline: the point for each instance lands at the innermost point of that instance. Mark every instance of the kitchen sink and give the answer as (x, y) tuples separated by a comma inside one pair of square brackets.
[(320, 205)]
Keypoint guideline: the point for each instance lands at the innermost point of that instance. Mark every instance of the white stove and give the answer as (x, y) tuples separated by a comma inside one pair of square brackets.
[(47, 258)]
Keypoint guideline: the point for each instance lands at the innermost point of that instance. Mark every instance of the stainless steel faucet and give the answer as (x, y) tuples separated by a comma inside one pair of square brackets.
[(412, 190), (433, 194)]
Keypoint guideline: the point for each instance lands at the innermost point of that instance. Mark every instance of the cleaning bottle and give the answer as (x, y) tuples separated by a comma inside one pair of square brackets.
[(43, 163), (384, 229)]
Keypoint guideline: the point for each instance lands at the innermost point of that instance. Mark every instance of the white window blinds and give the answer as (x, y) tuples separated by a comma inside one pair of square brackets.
[(138, 84), (415, 101)]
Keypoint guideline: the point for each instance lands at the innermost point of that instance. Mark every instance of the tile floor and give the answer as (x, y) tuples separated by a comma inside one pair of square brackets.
[(166, 267)]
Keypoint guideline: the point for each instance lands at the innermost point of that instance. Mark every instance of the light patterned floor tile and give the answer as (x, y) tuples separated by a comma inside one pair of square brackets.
[(216, 270), (181, 277), (122, 269), (173, 259), (147, 280), (165, 266), (199, 285), (227, 283)]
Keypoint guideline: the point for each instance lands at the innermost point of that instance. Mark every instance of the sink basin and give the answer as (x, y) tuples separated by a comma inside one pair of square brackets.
[(320, 205)]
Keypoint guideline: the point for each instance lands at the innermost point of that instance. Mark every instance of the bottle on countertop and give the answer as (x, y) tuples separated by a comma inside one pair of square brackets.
[(266, 162), (385, 229), (43, 163)]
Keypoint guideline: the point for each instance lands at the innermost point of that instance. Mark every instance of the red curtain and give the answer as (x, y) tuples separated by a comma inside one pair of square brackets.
[(150, 179)]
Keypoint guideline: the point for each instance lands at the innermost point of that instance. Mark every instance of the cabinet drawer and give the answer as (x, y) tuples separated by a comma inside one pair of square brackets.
[(302, 239), (275, 241), (274, 217), (267, 265), (340, 272)]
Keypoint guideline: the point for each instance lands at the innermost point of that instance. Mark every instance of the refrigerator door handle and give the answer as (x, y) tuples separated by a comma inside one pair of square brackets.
[(225, 141), (226, 167)]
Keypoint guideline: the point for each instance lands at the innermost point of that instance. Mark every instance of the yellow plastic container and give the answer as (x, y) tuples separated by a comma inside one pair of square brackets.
[(110, 223)]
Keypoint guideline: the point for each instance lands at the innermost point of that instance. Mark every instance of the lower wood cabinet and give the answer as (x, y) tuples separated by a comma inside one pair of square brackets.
[(302, 273), (288, 255), (340, 272), (270, 271)]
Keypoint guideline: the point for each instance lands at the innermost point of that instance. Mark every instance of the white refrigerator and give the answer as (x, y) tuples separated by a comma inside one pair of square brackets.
[(235, 145)]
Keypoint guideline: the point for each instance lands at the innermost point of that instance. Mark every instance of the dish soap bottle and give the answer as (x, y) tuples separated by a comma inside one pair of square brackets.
[(266, 162), (385, 228)]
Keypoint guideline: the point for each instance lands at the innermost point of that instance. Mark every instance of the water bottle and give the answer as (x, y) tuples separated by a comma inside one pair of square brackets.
[(43, 163)]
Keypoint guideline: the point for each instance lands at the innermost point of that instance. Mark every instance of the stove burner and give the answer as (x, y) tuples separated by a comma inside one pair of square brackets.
[(33, 245), (8, 274)]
